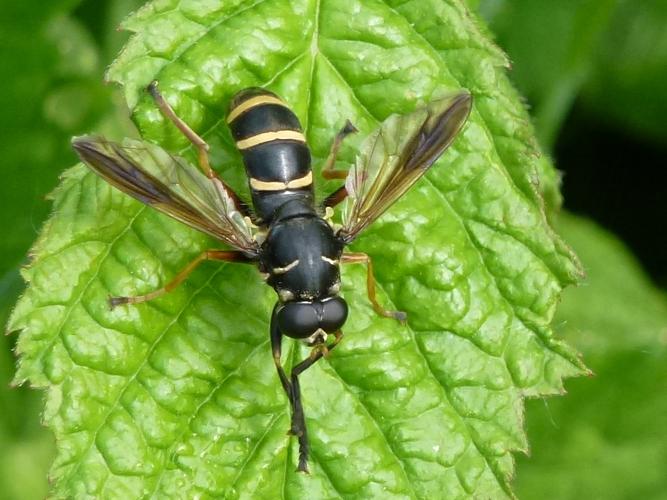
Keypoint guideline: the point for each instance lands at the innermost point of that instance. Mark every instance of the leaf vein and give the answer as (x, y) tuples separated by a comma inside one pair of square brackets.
[(257, 446), (90, 281), (381, 432), (131, 379), (216, 387)]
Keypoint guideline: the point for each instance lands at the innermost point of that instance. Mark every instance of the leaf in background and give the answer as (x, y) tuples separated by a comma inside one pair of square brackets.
[(628, 83), (47, 94), (50, 77), (606, 439), (178, 397), (27, 448), (554, 46), (31, 147)]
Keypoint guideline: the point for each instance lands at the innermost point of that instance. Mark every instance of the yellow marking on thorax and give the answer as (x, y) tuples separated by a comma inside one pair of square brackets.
[(251, 103), (288, 267), (333, 262), (304, 181), (255, 140)]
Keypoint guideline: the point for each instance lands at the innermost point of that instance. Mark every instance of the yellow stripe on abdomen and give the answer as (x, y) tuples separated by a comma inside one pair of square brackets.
[(255, 140), (251, 103), (300, 182)]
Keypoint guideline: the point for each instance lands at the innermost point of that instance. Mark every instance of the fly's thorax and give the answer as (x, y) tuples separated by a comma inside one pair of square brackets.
[(267, 203), (277, 159), (301, 258)]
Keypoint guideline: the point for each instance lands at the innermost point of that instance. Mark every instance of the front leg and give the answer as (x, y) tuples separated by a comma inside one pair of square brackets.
[(276, 349), (293, 389), (336, 197), (299, 428)]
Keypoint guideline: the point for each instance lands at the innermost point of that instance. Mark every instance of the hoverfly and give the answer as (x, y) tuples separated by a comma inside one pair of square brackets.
[(287, 235)]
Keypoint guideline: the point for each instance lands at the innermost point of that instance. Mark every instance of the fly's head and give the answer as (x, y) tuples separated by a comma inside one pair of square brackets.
[(312, 321)]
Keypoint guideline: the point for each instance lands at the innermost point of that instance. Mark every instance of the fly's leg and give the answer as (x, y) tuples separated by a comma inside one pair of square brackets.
[(298, 419), (199, 143), (225, 255), (292, 389), (362, 258), (328, 171), (193, 137), (276, 349), (335, 198)]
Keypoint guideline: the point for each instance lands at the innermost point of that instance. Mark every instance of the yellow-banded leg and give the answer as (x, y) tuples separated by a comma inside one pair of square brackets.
[(200, 144), (362, 258), (225, 255)]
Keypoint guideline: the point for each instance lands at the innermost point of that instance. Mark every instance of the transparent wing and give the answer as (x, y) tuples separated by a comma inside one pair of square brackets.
[(395, 156), (170, 184)]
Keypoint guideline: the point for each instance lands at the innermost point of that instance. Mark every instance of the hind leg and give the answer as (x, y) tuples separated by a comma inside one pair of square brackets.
[(200, 145)]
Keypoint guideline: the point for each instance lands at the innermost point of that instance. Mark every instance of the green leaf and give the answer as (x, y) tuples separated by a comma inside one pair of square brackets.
[(27, 447), (609, 54), (179, 398), (606, 439)]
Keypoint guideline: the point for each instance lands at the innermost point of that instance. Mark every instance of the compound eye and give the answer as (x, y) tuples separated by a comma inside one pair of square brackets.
[(334, 314), (298, 320)]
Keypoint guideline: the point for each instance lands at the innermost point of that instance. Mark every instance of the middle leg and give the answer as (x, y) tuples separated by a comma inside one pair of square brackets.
[(225, 255), (362, 258)]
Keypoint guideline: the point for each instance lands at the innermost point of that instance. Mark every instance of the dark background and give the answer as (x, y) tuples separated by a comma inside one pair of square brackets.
[(617, 177)]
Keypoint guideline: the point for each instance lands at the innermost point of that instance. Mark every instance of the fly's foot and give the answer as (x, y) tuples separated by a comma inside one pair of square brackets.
[(152, 88), (349, 128), (117, 301), (295, 430), (400, 316)]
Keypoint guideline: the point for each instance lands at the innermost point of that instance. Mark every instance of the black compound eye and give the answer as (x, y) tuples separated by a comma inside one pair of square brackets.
[(298, 319), (334, 314)]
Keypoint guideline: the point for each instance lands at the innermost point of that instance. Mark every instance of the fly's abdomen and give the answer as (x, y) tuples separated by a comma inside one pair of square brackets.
[(277, 159)]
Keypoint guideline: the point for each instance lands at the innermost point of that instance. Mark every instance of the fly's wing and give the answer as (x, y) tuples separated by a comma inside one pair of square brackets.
[(170, 184), (395, 156)]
